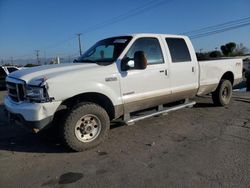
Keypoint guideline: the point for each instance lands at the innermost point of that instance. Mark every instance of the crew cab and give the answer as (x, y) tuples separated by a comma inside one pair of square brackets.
[(114, 80)]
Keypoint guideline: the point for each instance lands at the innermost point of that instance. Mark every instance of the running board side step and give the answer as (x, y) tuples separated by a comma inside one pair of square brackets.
[(163, 111)]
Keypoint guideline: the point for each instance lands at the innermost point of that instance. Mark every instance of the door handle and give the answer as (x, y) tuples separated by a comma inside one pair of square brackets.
[(192, 69), (166, 72), (162, 71)]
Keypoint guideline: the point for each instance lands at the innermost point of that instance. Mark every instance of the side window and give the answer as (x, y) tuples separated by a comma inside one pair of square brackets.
[(178, 50), (151, 48), (2, 73)]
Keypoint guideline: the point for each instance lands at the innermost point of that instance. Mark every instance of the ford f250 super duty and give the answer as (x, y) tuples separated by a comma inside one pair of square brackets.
[(117, 78)]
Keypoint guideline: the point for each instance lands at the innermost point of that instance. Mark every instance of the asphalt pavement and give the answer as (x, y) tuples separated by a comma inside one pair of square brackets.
[(203, 146)]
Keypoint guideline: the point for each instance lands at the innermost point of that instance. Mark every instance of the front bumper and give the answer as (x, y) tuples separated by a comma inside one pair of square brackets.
[(32, 115), (35, 126)]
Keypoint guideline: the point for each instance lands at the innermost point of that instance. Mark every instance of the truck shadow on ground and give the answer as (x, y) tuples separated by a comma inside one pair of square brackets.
[(16, 138)]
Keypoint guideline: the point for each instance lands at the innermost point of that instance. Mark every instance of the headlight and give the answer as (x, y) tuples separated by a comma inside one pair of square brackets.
[(36, 94)]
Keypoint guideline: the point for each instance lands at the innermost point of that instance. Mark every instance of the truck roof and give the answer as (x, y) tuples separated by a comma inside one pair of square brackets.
[(155, 34)]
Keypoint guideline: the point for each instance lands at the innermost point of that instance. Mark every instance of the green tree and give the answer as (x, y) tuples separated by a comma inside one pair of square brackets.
[(228, 48)]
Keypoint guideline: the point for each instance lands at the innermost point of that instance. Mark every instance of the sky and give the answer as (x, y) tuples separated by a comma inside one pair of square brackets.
[(51, 25)]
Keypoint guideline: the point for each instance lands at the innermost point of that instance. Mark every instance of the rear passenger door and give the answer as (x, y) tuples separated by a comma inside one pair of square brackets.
[(183, 70)]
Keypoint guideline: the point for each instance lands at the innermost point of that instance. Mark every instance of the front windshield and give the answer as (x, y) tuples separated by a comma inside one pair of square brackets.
[(105, 51)]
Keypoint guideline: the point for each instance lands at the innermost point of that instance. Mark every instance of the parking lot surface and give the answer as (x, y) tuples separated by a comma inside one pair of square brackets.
[(204, 146)]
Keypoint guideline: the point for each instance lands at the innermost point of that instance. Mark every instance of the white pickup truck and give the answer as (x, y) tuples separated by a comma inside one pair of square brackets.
[(114, 79)]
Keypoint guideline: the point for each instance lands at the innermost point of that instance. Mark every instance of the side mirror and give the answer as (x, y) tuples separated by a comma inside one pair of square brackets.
[(124, 64), (140, 60)]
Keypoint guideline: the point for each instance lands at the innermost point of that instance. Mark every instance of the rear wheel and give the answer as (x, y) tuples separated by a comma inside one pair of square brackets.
[(85, 127), (222, 95)]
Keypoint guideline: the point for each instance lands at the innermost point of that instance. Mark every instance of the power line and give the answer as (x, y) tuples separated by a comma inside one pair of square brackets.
[(219, 31), (133, 12), (219, 28), (229, 23), (193, 34)]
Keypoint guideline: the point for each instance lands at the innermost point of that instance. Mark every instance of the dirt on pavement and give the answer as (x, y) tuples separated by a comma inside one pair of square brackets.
[(204, 146)]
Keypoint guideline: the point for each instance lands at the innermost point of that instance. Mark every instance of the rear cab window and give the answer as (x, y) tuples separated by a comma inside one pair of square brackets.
[(178, 50)]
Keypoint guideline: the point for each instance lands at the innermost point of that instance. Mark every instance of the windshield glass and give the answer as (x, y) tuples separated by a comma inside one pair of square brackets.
[(107, 50)]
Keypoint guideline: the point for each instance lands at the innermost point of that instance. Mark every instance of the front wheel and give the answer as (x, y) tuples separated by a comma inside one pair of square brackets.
[(85, 127), (222, 95)]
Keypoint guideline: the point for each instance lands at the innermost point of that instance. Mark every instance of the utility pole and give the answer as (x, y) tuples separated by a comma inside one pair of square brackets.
[(79, 41), (37, 56)]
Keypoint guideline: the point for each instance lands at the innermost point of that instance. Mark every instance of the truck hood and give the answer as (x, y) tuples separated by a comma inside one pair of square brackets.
[(33, 75)]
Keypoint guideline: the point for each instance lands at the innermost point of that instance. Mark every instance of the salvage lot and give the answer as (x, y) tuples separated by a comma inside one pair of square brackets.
[(205, 146)]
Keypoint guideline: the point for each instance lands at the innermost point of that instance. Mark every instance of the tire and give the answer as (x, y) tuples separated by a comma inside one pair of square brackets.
[(222, 95), (85, 127)]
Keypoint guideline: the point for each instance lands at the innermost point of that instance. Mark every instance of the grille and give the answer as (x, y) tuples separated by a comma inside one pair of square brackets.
[(15, 91)]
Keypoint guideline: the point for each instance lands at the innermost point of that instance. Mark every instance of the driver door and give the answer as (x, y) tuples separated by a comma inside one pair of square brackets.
[(149, 87)]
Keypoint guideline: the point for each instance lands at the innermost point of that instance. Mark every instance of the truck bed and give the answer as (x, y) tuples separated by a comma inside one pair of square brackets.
[(211, 71)]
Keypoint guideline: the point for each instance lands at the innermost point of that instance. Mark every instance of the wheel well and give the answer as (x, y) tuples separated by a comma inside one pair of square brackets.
[(228, 76), (96, 98)]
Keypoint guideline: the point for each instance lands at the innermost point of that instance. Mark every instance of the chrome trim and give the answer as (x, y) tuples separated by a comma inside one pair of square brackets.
[(17, 91), (13, 89), (189, 104)]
